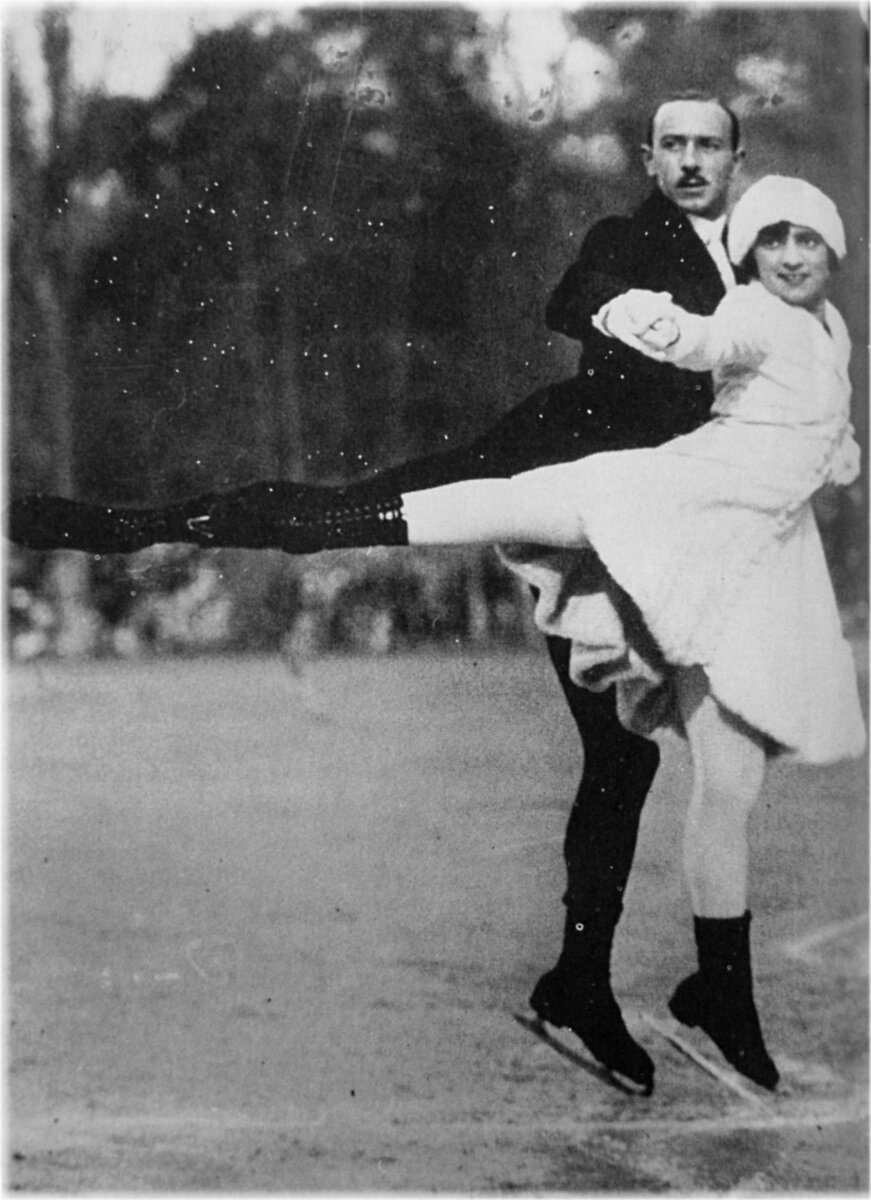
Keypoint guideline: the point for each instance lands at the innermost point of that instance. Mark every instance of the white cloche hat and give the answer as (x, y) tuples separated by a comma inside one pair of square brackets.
[(776, 198)]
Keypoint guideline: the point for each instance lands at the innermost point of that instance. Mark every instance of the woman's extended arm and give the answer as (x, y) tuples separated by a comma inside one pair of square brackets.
[(653, 324)]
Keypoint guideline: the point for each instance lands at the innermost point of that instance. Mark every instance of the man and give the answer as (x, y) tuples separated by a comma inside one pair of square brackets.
[(619, 399), (673, 243)]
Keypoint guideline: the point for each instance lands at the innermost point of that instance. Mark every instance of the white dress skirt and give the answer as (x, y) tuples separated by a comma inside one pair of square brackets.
[(713, 540)]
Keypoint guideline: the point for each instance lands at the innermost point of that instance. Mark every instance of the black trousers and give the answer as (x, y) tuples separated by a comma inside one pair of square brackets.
[(618, 772)]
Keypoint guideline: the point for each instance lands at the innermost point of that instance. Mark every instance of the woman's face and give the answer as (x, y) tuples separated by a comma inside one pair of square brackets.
[(793, 263)]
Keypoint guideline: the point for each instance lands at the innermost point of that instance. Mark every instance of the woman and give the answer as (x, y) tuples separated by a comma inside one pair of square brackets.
[(711, 537)]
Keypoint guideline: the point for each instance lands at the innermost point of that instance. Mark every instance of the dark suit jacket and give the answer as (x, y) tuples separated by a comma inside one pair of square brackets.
[(619, 399)]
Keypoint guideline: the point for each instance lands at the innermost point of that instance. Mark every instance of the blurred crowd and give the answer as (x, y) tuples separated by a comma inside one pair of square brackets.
[(181, 600)]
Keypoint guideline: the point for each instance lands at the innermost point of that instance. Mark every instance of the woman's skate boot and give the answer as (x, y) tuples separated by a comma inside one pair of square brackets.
[(718, 998)]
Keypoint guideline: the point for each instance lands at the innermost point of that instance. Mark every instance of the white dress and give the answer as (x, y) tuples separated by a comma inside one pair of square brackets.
[(713, 537)]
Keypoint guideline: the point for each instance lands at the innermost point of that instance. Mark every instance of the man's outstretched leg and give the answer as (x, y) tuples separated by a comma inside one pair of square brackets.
[(288, 516), (299, 518), (536, 506), (599, 849)]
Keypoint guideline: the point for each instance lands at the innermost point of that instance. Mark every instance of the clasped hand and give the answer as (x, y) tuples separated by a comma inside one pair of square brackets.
[(641, 319)]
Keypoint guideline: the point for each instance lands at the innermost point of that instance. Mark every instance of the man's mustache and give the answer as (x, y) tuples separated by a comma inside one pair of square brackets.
[(691, 177)]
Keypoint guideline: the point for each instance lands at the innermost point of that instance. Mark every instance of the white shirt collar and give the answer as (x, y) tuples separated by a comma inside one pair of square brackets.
[(710, 233), (709, 229)]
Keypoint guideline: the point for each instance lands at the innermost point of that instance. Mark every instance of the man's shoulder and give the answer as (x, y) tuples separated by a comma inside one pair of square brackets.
[(612, 226), (660, 216), (656, 219)]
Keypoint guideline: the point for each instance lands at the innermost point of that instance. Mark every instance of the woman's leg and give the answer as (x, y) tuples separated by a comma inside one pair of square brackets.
[(536, 506), (728, 772), (728, 767)]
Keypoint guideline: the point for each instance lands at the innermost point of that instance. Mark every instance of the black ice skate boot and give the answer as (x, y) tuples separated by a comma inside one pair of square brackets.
[(718, 998), (599, 848), (576, 994), (301, 518)]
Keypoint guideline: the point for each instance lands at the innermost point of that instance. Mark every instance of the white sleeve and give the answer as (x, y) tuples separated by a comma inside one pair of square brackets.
[(741, 330)]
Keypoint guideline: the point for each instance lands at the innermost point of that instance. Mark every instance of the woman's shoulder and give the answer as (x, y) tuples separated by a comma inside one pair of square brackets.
[(750, 306), (750, 297), (836, 324), (750, 315)]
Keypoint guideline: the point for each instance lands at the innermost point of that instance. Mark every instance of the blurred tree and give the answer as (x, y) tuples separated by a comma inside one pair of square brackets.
[(42, 261), (30, 440), (307, 209)]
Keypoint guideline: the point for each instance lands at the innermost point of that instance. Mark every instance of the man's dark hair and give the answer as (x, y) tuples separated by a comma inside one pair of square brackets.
[(702, 98), (781, 229)]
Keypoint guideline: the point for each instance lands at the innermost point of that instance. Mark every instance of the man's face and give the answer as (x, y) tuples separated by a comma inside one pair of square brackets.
[(793, 263), (691, 158)]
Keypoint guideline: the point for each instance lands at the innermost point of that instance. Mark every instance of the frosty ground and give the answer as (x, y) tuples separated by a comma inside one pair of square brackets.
[(270, 932)]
